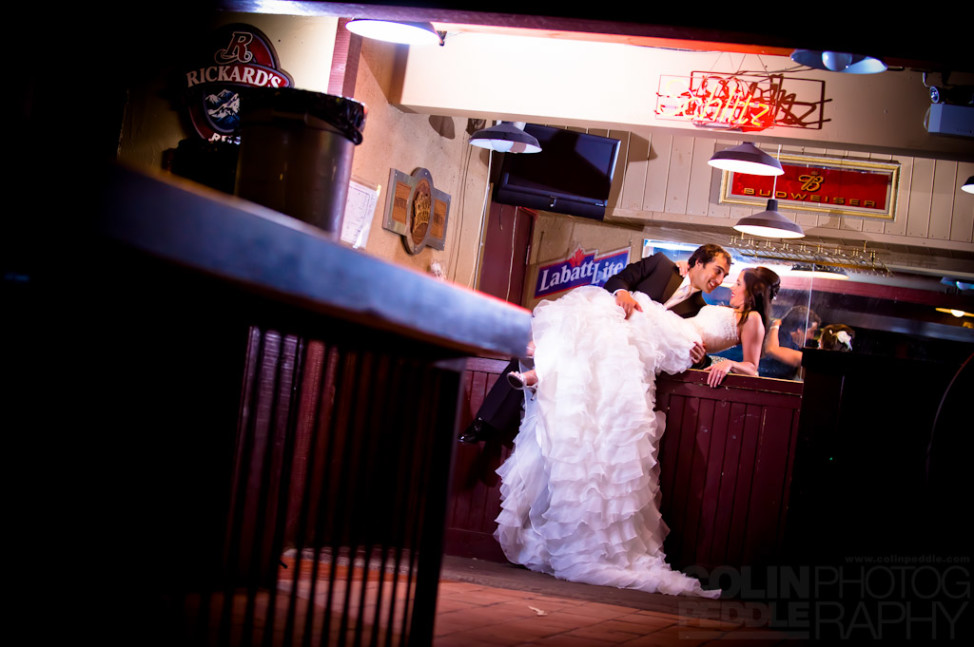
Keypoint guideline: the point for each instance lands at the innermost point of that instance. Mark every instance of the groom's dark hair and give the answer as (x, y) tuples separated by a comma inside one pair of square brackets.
[(706, 253)]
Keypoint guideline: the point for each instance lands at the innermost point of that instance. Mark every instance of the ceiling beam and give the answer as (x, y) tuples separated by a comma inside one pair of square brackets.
[(937, 43)]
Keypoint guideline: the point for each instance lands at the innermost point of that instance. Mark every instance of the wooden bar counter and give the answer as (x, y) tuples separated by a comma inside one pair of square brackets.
[(863, 460), (725, 469)]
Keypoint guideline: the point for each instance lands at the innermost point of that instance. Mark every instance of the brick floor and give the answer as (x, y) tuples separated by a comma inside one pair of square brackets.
[(484, 604)]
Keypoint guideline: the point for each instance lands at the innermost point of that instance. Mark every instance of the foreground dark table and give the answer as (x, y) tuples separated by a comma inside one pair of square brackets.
[(220, 401)]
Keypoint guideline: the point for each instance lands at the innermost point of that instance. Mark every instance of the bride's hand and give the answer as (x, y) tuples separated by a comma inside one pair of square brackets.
[(717, 371), (683, 266)]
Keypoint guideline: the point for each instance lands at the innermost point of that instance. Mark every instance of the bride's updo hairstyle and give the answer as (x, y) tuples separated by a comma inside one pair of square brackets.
[(761, 285)]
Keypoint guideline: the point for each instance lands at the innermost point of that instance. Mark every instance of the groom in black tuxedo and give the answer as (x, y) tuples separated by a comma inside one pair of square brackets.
[(659, 278), (656, 276)]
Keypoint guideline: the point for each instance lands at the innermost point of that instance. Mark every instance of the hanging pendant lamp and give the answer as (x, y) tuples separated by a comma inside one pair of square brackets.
[(769, 224), (506, 137), (746, 158), (838, 61), (968, 187), (390, 31)]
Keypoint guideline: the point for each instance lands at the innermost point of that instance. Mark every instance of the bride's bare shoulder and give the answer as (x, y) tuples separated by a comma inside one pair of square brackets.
[(753, 317)]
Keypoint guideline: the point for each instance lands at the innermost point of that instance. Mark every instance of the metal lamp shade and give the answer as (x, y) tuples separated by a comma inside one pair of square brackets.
[(838, 61), (769, 224), (746, 158), (505, 137), (404, 33)]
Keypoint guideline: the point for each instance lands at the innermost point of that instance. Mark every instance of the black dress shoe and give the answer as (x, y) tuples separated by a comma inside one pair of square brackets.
[(478, 431)]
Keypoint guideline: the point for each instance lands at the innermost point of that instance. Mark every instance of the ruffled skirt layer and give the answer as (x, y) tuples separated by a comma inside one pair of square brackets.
[(580, 491)]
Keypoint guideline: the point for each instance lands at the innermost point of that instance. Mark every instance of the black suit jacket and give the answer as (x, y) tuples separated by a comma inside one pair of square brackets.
[(658, 278)]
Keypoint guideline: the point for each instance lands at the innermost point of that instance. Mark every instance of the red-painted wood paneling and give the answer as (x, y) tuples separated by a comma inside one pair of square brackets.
[(725, 463), (725, 469), (474, 500)]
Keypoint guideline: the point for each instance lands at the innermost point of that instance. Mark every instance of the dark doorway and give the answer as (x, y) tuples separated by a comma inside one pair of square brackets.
[(507, 243)]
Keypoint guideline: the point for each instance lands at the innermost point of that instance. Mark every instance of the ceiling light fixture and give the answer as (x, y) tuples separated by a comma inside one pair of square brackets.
[(838, 61), (404, 33), (746, 158), (506, 137), (954, 311), (769, 224), (968, 187)]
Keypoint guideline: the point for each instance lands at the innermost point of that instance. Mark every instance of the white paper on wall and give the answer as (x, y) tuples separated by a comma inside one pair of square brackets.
[(359, 210)]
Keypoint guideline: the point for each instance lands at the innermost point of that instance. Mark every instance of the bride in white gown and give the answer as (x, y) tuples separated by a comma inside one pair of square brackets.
[(579, 493)]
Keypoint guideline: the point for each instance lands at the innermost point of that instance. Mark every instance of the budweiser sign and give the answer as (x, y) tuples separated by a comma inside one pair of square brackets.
[(851, 187), (236, 57)]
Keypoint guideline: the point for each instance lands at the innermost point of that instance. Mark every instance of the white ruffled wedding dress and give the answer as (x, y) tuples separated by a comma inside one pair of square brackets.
[(579, 493)]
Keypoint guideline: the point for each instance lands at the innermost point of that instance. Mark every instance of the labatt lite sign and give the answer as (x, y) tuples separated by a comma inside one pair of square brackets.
[(581, 268), (237, 56)]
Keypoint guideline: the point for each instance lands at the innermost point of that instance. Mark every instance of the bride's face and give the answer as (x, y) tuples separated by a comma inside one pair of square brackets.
[(737, 292)]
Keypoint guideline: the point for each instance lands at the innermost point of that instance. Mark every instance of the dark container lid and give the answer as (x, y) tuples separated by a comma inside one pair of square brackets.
[(345, 115)]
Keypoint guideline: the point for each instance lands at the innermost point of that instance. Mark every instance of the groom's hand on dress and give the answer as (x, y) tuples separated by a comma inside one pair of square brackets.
[(625, 301), (698, 352)]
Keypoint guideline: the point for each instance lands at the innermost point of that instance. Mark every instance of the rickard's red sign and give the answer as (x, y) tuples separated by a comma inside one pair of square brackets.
[(237, 56)]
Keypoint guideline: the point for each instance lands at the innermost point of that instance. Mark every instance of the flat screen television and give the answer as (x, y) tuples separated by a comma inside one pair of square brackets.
[(572, 174)]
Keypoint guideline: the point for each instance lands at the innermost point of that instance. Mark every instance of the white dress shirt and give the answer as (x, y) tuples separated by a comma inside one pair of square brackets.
[(684, 292)]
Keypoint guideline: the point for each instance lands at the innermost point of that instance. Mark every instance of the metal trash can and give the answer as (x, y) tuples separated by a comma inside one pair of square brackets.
[(296, 150)]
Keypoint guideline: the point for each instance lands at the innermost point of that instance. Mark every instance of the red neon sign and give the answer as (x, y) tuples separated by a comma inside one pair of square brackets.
[(718, 101)]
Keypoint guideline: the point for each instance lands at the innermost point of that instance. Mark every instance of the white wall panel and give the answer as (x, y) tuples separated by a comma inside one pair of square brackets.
[(942, 199), (701, 173), (678, 175), (897, 226), (716, 210), (654, 196), (635, 169), (921, 194), (619, 178)]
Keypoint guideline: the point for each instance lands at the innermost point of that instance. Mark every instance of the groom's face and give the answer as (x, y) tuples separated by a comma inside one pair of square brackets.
[(707, 277)]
